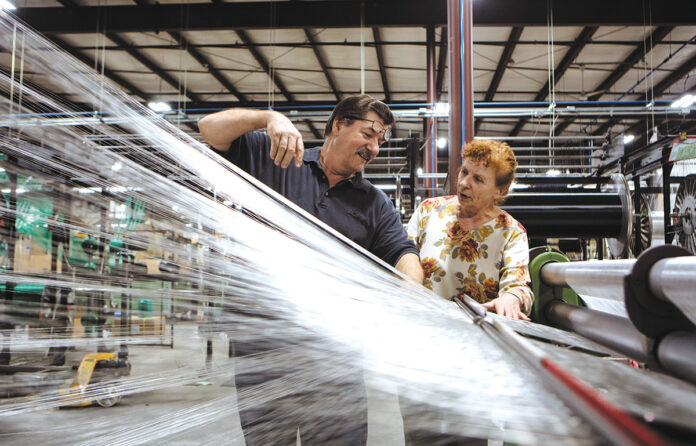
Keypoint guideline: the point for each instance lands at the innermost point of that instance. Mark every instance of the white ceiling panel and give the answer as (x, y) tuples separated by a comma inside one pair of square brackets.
[(121, 61), (281, 57), (682, 33), (172, 59), (404, 56), (255, 82), (304, 81), (228, 58), (521, 80), (403, 34), (490, 33), (149, 38), (349, 57), (150, 83), (225, 37), (540, 33), (351, 35), (407, 80), (277, 35), (626, 33)]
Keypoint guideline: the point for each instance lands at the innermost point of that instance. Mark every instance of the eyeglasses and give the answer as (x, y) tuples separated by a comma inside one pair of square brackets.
[(377, 127)]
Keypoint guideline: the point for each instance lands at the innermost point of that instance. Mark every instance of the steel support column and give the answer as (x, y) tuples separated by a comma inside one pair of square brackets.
[(430, 154), (461, 93)]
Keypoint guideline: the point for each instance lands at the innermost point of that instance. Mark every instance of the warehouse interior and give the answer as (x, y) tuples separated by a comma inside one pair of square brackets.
[(134, 259)]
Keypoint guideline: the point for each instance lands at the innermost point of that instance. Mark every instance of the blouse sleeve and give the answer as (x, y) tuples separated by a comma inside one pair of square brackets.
[(413, 227), (514, 274)]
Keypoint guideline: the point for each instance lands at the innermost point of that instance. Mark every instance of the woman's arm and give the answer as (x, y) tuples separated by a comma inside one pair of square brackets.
[(515, 298)]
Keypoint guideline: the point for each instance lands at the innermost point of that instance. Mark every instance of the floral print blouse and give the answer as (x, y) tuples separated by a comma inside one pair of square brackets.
[(483, 263)]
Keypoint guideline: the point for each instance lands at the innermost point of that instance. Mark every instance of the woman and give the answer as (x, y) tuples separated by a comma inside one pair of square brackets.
[(468, 245)]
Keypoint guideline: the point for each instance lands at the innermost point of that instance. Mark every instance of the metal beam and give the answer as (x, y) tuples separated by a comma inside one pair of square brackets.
[(636, 55), (68, 3), (503, 62), (320, 58), (662, 86), (313, 129), (132, 89), (261, 60), (344, 13), (140, 57), (570, 55), (205, 62), (47, 106), (513, 38), (380, 60)]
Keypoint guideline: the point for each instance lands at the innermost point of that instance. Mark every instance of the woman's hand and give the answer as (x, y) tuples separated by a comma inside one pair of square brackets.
[(507, 305)]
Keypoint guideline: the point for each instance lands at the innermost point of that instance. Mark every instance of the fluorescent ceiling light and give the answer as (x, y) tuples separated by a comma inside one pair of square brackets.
[(628, 139), (441, 143), (4, 4), (684, 102), (160, 107)]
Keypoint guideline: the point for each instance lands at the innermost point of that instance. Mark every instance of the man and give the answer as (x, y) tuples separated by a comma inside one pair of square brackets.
[(327, 182)]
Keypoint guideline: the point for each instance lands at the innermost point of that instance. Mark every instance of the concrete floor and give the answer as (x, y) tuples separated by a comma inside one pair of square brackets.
[(136, 417)]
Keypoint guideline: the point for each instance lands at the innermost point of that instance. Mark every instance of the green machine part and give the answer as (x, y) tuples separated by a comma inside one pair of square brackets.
[(543, 294)]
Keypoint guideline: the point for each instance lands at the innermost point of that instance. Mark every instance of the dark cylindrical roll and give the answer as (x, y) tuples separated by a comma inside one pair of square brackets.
[(567, 215), (607, 329), (677, 353)]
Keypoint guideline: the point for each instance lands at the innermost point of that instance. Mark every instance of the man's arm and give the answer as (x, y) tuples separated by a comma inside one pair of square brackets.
[(222, 128), (409, 264)]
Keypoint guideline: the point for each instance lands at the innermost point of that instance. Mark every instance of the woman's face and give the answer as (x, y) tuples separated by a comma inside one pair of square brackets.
[(476, 189)]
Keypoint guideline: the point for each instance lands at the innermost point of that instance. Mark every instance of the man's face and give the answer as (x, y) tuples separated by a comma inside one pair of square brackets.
[(354, 145)]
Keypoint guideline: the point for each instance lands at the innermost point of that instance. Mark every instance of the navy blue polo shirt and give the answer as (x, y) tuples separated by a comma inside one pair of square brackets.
[(353, 207)]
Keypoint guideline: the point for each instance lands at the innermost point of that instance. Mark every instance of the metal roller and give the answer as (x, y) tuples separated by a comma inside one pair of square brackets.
[(657, 290), (609, 330), (674, 280), (591, 278), (670, 280)]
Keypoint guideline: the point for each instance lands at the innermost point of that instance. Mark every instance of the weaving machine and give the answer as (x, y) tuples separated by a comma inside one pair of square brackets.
[(167, 224)]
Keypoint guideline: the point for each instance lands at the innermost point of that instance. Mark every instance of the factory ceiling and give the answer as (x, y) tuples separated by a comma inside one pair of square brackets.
[(305, 55)]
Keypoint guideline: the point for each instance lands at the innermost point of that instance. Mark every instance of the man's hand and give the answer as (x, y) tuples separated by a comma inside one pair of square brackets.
[(507, 305), (286, 141)]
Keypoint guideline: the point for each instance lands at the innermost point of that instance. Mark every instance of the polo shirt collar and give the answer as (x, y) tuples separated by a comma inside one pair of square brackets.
[(357, 180)]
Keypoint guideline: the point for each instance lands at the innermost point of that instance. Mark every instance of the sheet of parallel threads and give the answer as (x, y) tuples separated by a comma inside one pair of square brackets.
[(258, 268), (650, 395)]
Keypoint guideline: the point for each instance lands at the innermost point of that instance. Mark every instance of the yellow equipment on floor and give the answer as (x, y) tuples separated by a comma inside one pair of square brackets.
[(75, 395)]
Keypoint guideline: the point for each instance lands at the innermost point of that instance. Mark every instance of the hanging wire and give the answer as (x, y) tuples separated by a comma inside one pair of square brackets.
[(362, 46)]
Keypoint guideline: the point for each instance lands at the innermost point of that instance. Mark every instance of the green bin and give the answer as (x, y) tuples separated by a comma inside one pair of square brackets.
[(144, 308)]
